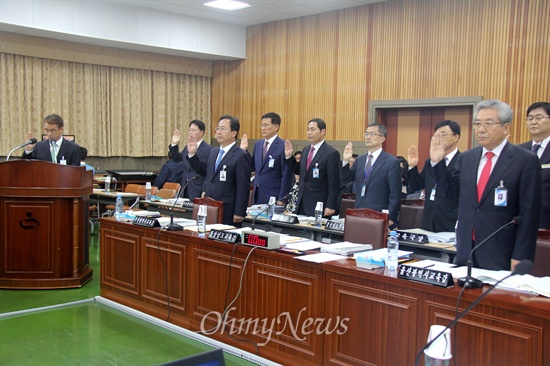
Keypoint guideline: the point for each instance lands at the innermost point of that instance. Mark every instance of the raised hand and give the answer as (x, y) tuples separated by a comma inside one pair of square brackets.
[(28, 136), (437, 149), (412, 158), (176, 137), (191, 145), (289, 150), (244, 142), (348, 152)]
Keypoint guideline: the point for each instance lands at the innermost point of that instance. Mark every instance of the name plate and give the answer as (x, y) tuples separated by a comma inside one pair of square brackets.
[(335, 225), (146, 221), (289, 219), (425, 275), (412, 238), (225, 236), (187, 204), (261, 239)]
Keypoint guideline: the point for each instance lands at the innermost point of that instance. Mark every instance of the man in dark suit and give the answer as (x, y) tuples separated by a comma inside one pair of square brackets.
[(496, 182), (273, 177), (227, 171), (190, 177), (170, 171), (55, 148), (376, 175), (538, 123), (318, 170), (440, 213)]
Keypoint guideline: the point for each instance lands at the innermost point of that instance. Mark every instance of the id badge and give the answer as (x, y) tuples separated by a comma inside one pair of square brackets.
[(363, 190), (432, 194), (316, 171), (223, 176), (271, 162), (501, 197)]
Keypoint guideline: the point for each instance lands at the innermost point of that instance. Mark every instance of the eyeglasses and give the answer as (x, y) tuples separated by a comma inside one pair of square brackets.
[(371, 134), (221, 129), (485, 124), (53, 130), (265, 125), (193, 130), (538, 118), (445, 134)]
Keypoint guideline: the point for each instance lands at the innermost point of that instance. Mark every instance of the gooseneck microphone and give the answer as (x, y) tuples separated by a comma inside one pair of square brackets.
[(265, 209), (469, 281), (30, 142), (171, 226), (522, 268)]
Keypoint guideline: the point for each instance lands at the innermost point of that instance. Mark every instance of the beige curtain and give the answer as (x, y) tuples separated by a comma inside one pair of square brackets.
[(112, 111)]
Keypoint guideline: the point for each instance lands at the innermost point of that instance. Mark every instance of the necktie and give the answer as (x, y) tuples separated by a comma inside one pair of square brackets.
[(368, 167), (535, 148), (310, 157), (264, 153), (54, 158), (485, 173), (220, 157)]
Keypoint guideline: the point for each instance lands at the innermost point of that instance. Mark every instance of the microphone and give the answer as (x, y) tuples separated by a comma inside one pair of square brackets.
[(30, 142), (522, 268), (171, 226), (267, 208), (469, 281)]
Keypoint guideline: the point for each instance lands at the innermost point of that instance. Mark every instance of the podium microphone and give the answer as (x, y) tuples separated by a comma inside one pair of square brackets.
[(469, 281), (171, 226), (30, 142), (266, 208), (523, 267)]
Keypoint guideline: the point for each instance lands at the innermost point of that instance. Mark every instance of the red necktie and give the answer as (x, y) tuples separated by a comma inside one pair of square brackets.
[(485, 173), (309, 157)]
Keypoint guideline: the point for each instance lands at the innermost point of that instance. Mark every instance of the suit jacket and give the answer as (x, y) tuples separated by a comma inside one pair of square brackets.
[(270, 181), (519, 170), (383, 188), (545, 172), (323, 189), (68, 150), (170, 172), (234, 192), (194, 188), (440, 214)]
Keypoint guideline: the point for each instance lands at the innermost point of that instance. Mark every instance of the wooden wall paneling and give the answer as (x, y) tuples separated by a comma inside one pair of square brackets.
[(462, 115), (122, 251)]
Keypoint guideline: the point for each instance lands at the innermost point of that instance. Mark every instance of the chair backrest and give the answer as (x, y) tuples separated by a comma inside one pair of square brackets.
[(410, 217), (541, 266), (166, 193), (346, 203), (413, 202), (171, 185), (366, 226), (214, 211), (132, 188)]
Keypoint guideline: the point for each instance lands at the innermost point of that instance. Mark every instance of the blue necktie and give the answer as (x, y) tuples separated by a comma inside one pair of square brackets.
[(220, 157)]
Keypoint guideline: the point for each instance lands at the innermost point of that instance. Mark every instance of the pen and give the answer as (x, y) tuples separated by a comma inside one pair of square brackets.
[(431, 265)]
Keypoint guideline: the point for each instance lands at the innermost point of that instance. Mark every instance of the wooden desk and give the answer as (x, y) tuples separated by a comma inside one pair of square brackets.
[(388, 318)]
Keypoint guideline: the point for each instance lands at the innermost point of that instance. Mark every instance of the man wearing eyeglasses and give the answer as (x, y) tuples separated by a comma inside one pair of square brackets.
[(495, 183), (196, 133), (54, 148), (440, 212), (538, 123), (273, 176), (376, 175)]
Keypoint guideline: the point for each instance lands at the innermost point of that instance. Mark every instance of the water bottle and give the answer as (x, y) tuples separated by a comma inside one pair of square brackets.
[(393, 248), (318, 214), (108, 184), (119, 206), (201, 221), (148, 191), (271, 207)]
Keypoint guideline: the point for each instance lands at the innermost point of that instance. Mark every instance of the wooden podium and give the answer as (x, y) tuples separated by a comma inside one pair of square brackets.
[(44, 225)]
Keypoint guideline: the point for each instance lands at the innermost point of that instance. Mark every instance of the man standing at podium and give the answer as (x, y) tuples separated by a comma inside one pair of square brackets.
[(55, 148)]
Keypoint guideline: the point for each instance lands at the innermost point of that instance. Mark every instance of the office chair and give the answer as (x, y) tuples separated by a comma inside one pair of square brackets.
[(214, 210), (366, 226)]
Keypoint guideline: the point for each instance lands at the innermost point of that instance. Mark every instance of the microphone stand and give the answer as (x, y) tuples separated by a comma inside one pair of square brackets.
[(30, 142), (523, 267), (265, 209), (469, 281), (171, 226)]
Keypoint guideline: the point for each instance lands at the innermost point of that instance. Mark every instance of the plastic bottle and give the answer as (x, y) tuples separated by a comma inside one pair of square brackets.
[(148, 191), (108, 184), (318, 215), (393, 248), (119, 206), (201, 221), (271, 207)]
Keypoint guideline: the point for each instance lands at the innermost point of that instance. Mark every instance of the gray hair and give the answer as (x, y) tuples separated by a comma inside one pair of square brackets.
[(505, 113)]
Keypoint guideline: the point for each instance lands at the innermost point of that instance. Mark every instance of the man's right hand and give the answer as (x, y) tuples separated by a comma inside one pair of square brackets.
[(28, 136), (412, 158), (437, 149), (191, 146), (289, 150), (176, 137), (348, 152), (244, 142)]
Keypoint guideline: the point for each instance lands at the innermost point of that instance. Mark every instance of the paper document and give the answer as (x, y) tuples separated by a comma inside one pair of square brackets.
[(441, 237), (211, 227), (345, 248), (383, 253), (304, 245), (320, 257)]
